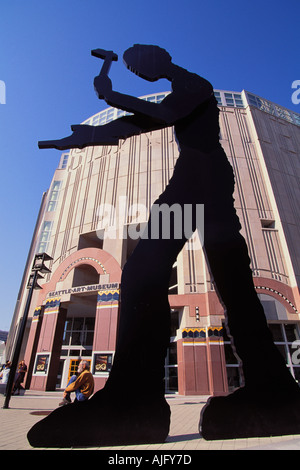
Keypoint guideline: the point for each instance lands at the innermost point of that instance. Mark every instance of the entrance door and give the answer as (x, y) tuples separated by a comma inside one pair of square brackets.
[(59, 374), (171, 369), (74, 363)]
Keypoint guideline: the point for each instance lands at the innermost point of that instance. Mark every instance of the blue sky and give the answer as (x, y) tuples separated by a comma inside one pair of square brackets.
[(48, 71)]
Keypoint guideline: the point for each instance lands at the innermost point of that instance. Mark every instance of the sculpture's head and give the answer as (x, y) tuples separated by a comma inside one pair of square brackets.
[(148, 62)]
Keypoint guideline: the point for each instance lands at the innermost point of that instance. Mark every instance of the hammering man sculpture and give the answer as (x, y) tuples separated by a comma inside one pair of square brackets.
[(131, 408)]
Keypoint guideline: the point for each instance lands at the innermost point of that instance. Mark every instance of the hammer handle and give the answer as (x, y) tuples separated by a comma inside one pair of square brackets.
[(107, 56), (106, 66)]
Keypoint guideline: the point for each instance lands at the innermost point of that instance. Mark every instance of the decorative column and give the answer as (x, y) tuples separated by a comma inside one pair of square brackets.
[(105, 335), (32, 343), (49, 346), (216, 361), (201, 362)]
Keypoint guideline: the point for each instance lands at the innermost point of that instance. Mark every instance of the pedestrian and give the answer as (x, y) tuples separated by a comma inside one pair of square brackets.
[(4, 374), (82, 385), (22, 369)]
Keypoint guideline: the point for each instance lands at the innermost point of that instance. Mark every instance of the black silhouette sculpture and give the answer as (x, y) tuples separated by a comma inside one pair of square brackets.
[(131, 408)]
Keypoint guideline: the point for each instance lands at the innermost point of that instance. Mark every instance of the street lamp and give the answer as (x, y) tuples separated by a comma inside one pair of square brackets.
[(38, 266)]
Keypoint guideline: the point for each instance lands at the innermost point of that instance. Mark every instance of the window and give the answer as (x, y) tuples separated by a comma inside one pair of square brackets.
[(102, 119), (78, 336), (64, 161), (44, 237), (238, 100), (286, 337), (155, 98), (296, 118), (110, 114), (53, 199), (73, 368), (95, 120), (120, 113), (234, 99), (283, 113), (171, 369), (233, 363), (267, 223), (173, 283), (228, 98), (273, 109), (159, 98), (218, 97), (175, 322)]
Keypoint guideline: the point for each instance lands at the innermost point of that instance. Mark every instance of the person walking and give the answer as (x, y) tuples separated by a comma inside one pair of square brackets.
[(22, 369), (4, 374)]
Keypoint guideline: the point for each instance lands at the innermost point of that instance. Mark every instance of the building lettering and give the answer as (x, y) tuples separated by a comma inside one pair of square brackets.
[(76, 290)]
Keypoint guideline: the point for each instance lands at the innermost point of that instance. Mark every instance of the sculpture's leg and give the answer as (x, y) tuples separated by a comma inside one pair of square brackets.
[(269, 403), (131, 409)]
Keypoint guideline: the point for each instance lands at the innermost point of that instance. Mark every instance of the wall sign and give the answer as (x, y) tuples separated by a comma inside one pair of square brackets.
[(81, 289), (102, 363), (41, 364)]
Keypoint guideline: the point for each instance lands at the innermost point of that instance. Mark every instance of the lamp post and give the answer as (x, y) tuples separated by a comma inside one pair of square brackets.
[(38, 266)]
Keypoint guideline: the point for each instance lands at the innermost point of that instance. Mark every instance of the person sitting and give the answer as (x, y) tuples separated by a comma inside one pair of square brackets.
[(82, 385)]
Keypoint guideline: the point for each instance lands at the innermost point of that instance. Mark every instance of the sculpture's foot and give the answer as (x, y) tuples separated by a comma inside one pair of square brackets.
[(247, 414), (103, 422)]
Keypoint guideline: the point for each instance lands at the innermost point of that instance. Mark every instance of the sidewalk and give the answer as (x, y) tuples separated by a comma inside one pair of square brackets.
[(25, 411)]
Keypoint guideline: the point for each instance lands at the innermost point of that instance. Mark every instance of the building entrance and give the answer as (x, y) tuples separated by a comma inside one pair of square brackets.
[(73, 367), (77, 344), (171, 367), (60, 374), (74, 363)]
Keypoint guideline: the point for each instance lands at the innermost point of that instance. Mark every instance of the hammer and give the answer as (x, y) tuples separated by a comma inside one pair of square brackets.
[(108, 57)]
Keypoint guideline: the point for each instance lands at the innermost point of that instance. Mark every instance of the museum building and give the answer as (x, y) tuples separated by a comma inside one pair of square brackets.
[(90, 221)]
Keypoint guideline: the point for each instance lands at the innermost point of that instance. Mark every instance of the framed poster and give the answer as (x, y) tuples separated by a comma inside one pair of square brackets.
[(102, 362), (41, 364)]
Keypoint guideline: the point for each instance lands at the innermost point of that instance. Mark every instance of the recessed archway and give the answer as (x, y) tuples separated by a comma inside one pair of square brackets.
[(85, 274)]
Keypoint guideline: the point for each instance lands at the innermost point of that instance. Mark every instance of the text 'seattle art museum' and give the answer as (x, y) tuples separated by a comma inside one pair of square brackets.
[(90, 221)]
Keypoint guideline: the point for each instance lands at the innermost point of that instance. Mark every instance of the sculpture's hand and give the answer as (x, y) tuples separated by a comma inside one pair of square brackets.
[(103, 86), (83, 136)]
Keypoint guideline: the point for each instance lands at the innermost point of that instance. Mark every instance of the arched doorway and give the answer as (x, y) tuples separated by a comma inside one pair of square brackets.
[(72, 312)]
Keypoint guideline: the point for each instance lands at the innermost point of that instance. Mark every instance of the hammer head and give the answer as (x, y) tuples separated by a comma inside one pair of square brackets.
[(103, 54)]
